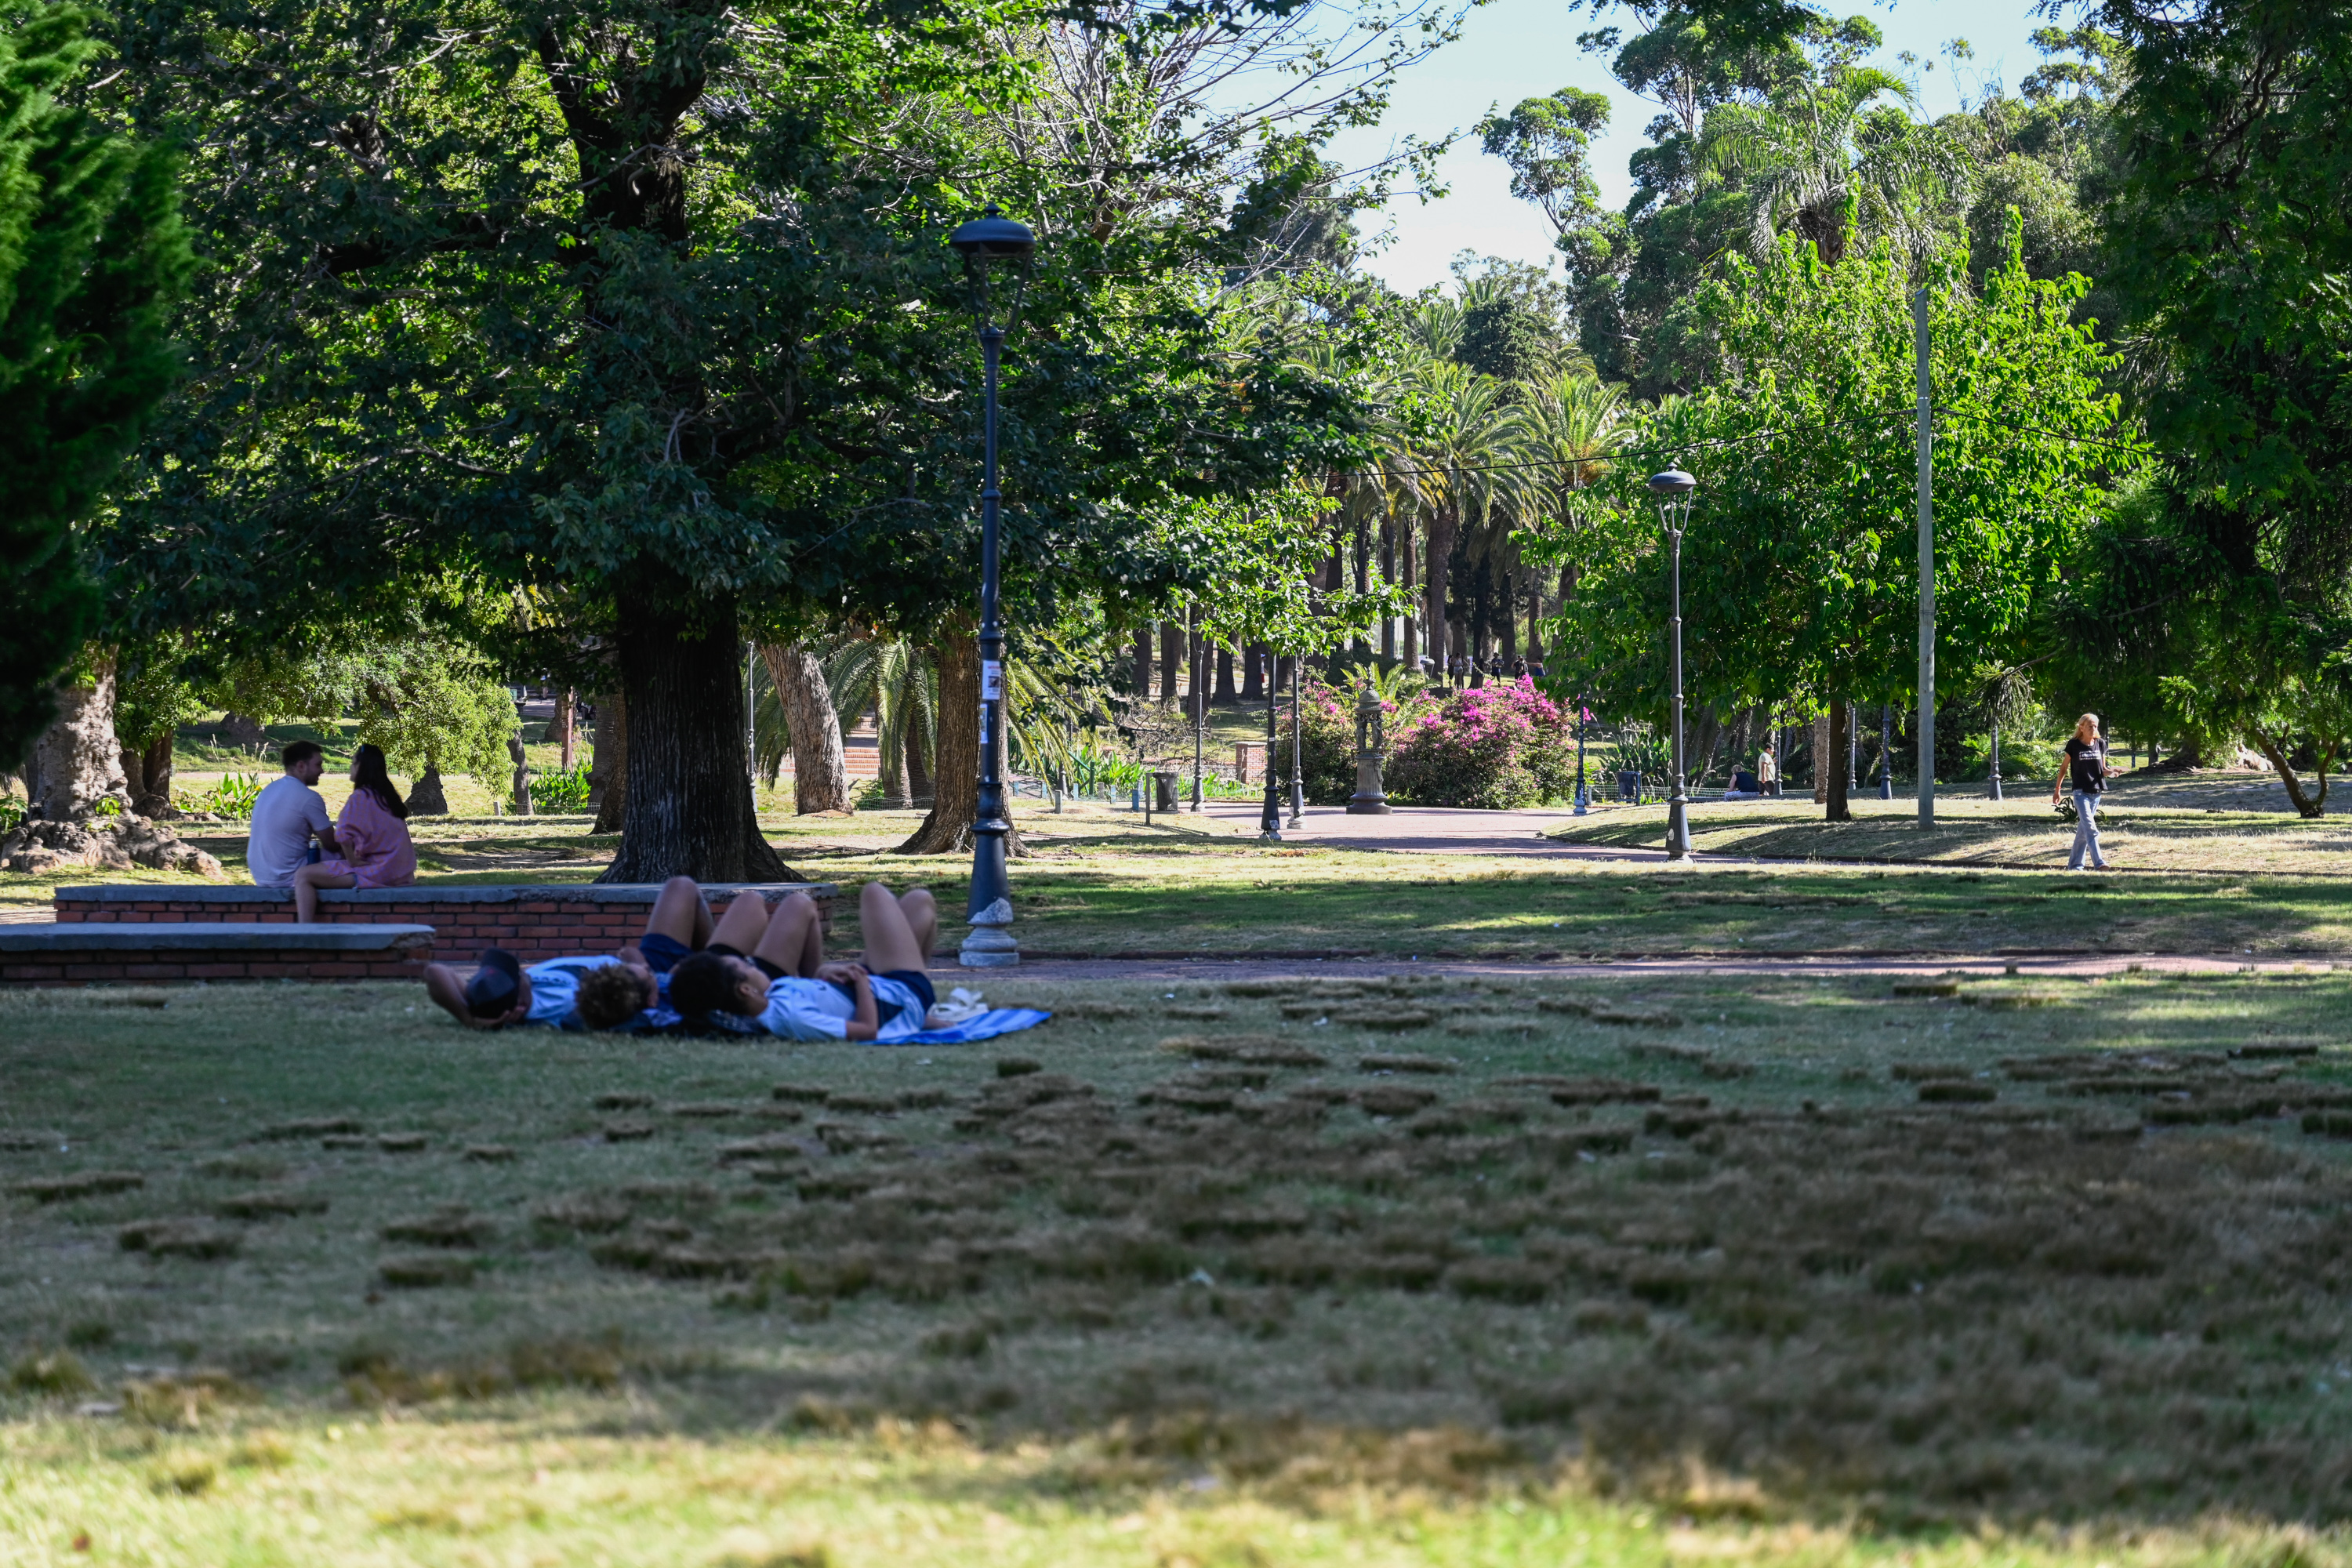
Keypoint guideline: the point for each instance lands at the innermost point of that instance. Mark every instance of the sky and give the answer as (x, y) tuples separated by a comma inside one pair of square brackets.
[(1512, 50)]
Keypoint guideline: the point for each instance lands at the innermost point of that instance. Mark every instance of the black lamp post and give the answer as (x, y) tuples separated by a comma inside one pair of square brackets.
[(1674, 490), (985, 240), (1269, 818), (1885, 756)]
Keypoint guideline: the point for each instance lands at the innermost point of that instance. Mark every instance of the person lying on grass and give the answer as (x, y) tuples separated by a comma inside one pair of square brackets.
[(623, 991), (771, 968), (505, 991)]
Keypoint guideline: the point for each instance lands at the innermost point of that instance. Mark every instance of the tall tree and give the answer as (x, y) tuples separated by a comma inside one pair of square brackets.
[(1801, 564), (92, 257)]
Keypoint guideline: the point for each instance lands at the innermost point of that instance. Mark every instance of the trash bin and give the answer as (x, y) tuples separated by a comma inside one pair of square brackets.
[(1163, 789), (1629, 784)]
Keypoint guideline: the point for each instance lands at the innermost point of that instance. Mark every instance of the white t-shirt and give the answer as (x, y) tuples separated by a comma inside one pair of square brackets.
[(816, 1010), (285, 814), (555, 987)]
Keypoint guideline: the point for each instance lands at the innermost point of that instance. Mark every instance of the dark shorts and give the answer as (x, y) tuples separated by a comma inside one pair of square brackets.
[(662, 950), (771, 971), (914, 980)]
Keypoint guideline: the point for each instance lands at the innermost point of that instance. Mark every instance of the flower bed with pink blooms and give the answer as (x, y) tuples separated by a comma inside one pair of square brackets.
[(1492, 749)]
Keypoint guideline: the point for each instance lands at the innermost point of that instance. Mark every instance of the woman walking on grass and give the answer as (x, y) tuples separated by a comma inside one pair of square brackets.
[(372, 843), (2086, 767)]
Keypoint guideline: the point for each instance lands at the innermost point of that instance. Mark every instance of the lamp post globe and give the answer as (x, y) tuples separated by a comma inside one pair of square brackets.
[(1674, 487), (984, 242)]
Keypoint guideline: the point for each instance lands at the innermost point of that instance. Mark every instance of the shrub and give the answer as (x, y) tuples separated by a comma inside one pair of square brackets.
[(1490, 749), (560, 789)]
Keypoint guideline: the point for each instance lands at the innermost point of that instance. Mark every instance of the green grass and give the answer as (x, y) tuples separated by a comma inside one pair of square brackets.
[(1719, 1249), (1098, 882)]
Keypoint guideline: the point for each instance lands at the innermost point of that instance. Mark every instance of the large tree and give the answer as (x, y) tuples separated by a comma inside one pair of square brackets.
[(1801, 564), (91, 255), (648, 306)]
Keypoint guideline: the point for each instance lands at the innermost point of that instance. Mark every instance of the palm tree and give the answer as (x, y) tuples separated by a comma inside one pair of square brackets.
[(1828, 160), (1461, 460)]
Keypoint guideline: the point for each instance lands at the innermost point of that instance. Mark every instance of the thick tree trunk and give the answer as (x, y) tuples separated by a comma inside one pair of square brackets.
[(1836, 808), (919, 746), (1254, 659), (427, 797), (820, 771), (521, 776), (688, 811), (1225, 692), (1172, 655), (76, 762), (1143, 662), (608, 764), (955, 790), (563, 730), (1821, 759), (159, 769), (896, 797)]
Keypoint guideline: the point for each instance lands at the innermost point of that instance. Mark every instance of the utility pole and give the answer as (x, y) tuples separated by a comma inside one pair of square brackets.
[(1927, 571)]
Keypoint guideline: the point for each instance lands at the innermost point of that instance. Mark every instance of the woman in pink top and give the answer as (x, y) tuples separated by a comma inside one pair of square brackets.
[(371, 839)]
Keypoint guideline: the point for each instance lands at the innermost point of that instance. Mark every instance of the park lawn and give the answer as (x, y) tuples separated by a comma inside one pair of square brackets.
[(1098, 881), (1755, 1247)]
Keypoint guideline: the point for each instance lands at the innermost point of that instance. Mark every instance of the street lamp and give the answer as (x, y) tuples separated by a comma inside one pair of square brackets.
[(1674, 490), (1269, 819), (984, 241)]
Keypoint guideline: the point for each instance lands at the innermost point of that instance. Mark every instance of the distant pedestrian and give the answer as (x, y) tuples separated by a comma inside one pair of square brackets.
[(2086, 769), (1768, 772)]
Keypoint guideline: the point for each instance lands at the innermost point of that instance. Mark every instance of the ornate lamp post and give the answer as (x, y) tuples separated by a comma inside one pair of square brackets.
[(1584, 717), (984, 241), (1673, 488), (1370, 799), (1298, 698)]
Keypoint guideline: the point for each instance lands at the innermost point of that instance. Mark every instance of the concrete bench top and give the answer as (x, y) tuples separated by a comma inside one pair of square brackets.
[(425, 893), (201, 936)]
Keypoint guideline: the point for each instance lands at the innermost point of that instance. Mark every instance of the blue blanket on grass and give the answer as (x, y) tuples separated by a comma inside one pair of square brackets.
[(986, 1026)]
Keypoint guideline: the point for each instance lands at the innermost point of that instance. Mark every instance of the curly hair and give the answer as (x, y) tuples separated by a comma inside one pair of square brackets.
[(611, 995)]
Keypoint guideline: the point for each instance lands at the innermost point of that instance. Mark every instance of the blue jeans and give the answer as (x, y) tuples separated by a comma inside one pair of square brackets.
[(2086, 832)]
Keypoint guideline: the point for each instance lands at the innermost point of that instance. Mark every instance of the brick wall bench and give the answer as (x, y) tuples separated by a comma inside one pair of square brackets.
[(95, 953), (532, 922)]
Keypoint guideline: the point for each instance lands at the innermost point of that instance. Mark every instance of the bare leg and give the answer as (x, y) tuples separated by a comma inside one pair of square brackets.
[(743, 925), (795, 940), (441, 983), (922, 912), (891, 940), (307, 883), (682, 914)]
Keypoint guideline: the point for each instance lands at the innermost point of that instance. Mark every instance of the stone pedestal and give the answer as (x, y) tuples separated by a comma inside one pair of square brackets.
[(990, 944)]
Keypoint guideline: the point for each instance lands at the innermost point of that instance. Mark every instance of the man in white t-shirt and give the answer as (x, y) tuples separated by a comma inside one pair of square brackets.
[(286, 817), (771, 968)]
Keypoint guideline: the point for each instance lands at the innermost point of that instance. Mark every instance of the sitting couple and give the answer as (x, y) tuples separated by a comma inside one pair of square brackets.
[(368, 846), (752, 970)]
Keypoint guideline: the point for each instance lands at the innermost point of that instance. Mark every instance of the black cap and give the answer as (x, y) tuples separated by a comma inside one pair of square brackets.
[(491, 994)]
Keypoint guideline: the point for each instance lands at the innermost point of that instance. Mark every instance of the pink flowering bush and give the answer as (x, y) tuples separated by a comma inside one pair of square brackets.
[(1491, 749)]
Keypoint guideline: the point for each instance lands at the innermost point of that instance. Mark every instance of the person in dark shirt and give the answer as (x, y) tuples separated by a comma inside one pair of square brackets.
[(2086, 768)]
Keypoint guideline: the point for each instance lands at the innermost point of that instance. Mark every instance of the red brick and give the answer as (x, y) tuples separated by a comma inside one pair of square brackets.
[(153, 971), (265, 969), (33, 971), (215, 971)]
